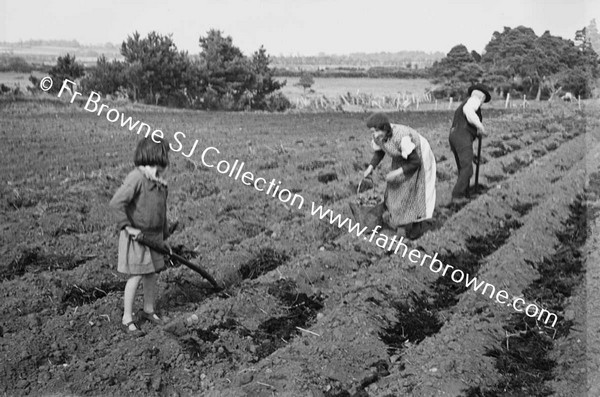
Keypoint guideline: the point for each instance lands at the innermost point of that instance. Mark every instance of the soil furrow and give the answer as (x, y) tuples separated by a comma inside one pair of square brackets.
[(493, 208), (306, 300), (510, 267), (524, 357)]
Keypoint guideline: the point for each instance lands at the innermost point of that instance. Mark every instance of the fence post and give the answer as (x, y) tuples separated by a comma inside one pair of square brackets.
[(450, 103), (507, 100)]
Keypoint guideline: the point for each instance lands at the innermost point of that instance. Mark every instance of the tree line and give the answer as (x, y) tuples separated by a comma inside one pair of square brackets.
[(519, 62), (155, 72)]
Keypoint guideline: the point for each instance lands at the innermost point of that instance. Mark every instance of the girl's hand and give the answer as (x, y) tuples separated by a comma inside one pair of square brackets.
[(368, 171), (133, 232)]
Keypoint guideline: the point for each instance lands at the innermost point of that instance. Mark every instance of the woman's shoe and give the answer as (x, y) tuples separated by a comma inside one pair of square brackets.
[(459, 201), (415, 230)]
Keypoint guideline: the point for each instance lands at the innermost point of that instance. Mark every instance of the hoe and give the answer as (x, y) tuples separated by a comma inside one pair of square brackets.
[(478, 162), (159, 248)]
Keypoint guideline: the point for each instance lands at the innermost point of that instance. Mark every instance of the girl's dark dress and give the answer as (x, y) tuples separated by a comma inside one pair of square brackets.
[(141, 202)]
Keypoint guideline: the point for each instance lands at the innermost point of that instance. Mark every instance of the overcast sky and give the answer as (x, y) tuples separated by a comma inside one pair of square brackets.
[(286, 27)]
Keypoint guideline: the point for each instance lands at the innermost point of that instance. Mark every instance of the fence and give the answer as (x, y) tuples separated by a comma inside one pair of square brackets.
[(364, 102)]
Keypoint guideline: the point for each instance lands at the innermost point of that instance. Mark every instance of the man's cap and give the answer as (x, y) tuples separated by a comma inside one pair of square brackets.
[(482, 88)]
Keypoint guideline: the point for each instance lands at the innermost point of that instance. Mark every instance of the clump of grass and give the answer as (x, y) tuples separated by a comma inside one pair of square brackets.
[(264, 261), (78, 296), (315, 164), (523, 208), (301, 310), (33, 261), (447, 292), (416, 320), (495, 178)]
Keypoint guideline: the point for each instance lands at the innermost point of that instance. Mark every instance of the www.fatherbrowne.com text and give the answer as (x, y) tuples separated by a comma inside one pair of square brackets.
[(209, 158)]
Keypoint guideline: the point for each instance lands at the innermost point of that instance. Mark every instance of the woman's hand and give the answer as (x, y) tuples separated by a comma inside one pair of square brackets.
[(168, 246), (368, 171), (393, 176), (133, 232)]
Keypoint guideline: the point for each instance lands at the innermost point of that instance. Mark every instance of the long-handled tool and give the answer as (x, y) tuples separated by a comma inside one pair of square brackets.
[(478, 161), (359, 185), (160, 248)]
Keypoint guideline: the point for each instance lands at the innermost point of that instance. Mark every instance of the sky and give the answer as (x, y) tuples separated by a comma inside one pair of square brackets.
[(295, 27)]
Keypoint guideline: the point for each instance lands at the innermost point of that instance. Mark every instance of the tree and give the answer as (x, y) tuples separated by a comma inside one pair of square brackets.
[(155, 68), (263, 82), (106, 78), (538, 65), (306, 81), (457, 71), (509, 54), (592, 36), (227, 74), (66, 68)]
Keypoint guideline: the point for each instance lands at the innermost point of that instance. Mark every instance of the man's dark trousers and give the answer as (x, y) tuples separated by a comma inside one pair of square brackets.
[(461, 144)]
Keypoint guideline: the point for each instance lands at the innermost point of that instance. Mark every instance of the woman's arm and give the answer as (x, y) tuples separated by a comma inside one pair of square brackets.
[(378, 155), (412, 163)]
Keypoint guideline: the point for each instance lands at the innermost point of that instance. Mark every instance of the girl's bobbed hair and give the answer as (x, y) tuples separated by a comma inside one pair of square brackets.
[(150, 153)]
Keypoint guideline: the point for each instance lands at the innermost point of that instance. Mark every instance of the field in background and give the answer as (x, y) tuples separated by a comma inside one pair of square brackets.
[(12, 79), (309, 307), (330, 87), (334, 87)]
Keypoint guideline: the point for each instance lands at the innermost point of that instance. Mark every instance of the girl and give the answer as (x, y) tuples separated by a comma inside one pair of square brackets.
[(410, 191), (140, 204)]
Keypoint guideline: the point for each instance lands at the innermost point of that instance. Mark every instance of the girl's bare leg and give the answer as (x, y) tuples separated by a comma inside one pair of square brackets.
[(128, 298), (150, 289)]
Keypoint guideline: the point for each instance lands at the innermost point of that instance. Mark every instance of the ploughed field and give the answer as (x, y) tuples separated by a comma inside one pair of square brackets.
[(308, 309)]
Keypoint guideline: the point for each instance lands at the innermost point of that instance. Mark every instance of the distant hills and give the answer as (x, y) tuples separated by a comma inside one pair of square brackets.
[(400, 59), (45, 52)]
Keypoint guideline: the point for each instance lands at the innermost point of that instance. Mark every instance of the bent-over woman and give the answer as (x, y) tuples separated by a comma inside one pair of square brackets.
[(410, 191)]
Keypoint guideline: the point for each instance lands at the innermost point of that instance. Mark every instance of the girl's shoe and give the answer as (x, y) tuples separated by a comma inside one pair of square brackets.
[(152, 317), (136, 332)]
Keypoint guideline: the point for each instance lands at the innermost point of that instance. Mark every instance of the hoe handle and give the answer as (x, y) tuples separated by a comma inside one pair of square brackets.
[(160, 248), (478, 161)]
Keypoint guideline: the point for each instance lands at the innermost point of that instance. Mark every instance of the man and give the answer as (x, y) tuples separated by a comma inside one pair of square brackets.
[(466, 126)]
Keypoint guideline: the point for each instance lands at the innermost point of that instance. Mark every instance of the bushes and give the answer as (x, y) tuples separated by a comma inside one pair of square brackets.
[(106, 78), (155, 72), (277, 102), (66, 68), (15, 64)]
